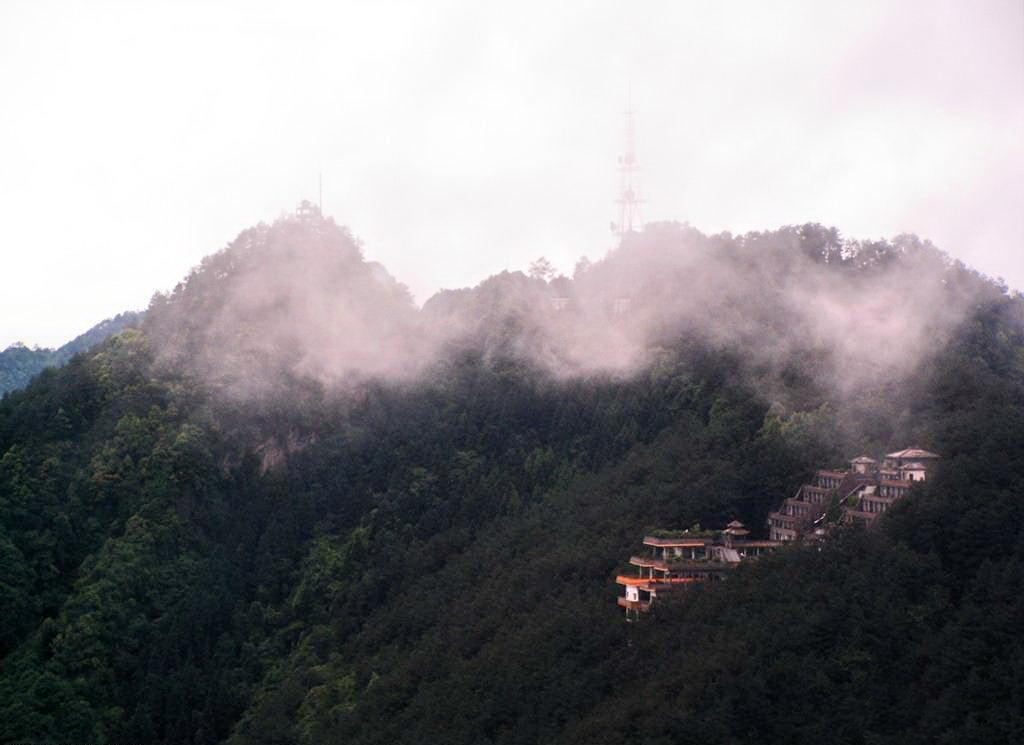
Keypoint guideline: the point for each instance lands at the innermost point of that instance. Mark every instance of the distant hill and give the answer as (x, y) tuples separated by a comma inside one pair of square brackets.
[(19, 363), (290, 508)]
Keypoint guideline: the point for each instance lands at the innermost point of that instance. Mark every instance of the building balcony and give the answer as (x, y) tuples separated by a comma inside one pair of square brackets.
[(754, 548), (682, 541), (781, 535), (638, 605), (670, 582), (801, 510), (814, 494), (633, 581), (648, 562), (861, 516), (782, 521)]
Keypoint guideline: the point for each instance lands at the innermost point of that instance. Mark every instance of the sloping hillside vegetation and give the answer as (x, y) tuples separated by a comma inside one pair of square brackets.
[(19, 364), (237, 524)]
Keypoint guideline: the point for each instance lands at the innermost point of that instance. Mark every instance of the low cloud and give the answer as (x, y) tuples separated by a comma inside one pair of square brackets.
[(297, 301)]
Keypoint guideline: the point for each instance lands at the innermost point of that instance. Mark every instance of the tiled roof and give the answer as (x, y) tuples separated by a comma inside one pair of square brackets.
[(912, 453)]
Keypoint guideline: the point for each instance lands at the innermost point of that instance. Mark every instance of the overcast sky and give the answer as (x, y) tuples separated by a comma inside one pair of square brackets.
[(460, 139)]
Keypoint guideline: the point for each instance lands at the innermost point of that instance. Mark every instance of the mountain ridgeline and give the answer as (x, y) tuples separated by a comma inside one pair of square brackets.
[(19, 363), (290, 507)]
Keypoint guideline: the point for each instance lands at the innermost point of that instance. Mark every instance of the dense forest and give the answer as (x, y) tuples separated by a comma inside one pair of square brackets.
[(19, 363), (286, 506)]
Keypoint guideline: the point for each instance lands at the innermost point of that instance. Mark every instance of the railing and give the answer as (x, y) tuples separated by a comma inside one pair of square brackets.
[(692, 541), (633, 581), (862, 515), (640, 605), (647, 561)]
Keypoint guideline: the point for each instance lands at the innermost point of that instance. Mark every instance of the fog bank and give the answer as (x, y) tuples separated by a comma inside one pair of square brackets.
[(297, 301)]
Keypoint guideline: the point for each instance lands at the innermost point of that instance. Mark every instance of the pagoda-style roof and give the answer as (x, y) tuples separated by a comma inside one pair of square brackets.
[(863, 459), (735, 524)]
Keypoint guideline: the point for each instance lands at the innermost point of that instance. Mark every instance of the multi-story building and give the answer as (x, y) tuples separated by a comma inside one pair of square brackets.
[(857, 495), (793, 517), (889, 483), (680, 558), (910, 456)]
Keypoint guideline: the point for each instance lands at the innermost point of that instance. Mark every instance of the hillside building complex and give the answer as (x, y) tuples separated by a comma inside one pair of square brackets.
[(856, 495), (678, 558)]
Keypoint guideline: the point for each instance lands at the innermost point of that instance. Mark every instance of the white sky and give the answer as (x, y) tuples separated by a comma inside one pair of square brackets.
[(460, 139)]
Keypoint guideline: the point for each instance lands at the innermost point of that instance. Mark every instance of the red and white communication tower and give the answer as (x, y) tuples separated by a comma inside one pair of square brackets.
[(629, 200)]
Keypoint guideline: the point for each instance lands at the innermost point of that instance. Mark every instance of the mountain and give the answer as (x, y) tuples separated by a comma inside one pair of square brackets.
[(291, 508), (19, 364)]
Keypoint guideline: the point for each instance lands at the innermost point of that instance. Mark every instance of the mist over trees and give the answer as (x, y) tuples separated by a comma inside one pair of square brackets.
[(290, 507), (297, 300)]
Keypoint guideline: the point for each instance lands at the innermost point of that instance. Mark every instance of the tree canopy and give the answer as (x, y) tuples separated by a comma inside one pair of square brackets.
[(371, 556)]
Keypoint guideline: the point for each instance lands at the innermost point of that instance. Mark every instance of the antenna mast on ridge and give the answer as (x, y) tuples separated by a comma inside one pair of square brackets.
[(629, 196)]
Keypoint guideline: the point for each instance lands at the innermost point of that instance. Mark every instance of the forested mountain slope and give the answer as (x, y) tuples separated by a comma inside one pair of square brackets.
[(291, 508), (19, 364)]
